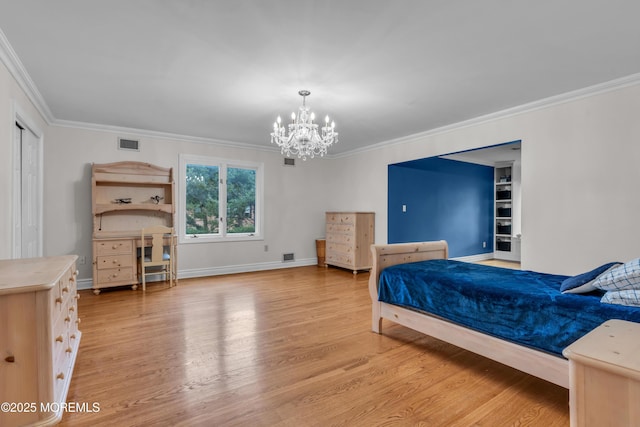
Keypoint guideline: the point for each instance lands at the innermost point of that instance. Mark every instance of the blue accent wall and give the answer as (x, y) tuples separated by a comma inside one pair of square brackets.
[(445, 200)]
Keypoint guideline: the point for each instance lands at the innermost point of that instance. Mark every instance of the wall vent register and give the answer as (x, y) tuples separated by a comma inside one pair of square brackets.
[(128, 144)]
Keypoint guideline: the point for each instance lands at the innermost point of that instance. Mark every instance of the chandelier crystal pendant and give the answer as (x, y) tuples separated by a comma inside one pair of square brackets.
[(304, 140)]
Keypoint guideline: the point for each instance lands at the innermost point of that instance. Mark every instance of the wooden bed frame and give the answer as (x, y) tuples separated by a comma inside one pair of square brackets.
[(543, 365)]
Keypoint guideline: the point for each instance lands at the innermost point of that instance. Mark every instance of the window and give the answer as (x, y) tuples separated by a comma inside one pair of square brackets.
[(221, 199)]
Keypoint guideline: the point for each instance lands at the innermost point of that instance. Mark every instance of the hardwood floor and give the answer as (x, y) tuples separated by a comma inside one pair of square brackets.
[(289, 347), (501, 263)]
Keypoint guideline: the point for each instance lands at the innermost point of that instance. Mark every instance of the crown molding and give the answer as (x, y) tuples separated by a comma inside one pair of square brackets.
[(10, 60), (600, 88), (144, 133)]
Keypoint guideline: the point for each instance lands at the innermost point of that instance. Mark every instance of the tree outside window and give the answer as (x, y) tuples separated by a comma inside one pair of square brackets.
[(202, 199), (241, 200)]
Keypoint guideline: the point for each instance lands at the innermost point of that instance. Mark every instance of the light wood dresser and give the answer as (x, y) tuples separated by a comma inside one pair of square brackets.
[(39, 338), (604, 376), (349, 236)]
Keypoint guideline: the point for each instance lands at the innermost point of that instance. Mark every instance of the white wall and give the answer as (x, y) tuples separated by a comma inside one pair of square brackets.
[(294, 201), (580, 177)]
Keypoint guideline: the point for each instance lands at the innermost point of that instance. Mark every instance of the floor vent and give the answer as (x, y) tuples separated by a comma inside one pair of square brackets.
[(128, 144), (289, 161), (287, 257)]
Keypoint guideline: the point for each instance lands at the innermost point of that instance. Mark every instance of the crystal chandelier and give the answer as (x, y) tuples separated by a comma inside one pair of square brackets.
[(303, 139)]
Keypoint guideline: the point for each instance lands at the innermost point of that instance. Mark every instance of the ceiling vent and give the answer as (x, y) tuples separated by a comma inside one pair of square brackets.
[(128, 144), (289, 161)]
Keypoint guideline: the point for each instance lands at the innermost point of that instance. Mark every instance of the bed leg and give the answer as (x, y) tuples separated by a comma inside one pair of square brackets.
[(376, 319)]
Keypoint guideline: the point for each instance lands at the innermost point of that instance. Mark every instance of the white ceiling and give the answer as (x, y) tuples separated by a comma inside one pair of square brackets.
[(381, 69)]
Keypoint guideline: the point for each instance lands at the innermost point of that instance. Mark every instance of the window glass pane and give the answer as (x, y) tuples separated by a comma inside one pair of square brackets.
[(202, 199), (241, 200)]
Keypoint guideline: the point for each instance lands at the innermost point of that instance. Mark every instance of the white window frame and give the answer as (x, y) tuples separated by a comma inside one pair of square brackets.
[(223, 165)]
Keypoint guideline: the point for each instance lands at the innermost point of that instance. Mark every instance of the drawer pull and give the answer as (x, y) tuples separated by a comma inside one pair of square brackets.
[(115, 261), (72, 308), (10, 359), (77, 296), (73, 336), (59, 338), (67, 319), (59, 300), (114, 247), (60, 376), (65, 289), (78, 321), (69, 350)]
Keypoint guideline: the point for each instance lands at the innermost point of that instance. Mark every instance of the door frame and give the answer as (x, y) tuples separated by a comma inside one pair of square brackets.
[(20, 117)]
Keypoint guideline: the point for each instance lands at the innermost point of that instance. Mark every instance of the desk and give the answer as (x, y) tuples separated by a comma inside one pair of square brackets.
[(604, 376), (115, 261)]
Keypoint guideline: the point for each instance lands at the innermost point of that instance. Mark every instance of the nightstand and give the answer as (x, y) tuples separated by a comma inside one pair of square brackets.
[(604, 376)]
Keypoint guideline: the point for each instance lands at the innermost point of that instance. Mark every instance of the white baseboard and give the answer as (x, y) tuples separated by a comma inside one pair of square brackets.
[(85, 283), (228, 269)]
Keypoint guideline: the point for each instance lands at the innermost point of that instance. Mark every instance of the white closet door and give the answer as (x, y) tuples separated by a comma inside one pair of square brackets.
[(28, 220)]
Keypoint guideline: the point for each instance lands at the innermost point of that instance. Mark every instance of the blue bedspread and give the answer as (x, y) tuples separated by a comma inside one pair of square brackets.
[(524, 307)]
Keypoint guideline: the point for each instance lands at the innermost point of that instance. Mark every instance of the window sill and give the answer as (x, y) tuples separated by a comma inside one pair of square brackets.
[(219, 239)]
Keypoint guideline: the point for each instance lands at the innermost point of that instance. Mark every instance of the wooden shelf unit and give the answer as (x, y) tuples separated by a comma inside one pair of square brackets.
[(127, 197), (504, 241)]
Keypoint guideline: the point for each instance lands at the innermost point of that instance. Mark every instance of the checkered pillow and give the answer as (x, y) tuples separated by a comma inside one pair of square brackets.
[(626, 276), (626, 297)]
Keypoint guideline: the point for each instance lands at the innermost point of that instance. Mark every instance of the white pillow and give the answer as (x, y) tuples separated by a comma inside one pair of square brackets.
[(625, 276), (627, 297)]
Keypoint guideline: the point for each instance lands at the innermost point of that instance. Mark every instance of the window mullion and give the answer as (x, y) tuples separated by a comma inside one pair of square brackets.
[(222, 200)]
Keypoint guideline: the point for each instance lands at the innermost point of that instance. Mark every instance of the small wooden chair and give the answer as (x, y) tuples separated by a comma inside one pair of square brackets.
[(156, 257)]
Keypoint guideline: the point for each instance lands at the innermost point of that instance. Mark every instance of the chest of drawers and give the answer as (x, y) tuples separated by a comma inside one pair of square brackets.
[(349, 236), (114, 263), (39, 337)]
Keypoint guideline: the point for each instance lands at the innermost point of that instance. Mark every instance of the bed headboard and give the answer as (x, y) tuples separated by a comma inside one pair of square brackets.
[(384, 256)]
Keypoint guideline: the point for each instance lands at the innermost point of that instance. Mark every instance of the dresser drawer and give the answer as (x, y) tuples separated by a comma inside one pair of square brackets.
[(340, 218), (340, 229), (73, 311), (340, 259), (60, 345), (56, 301), (113, 247), (345, 239), (62, 370), (340, 248), (114, 275), (114, 261)]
